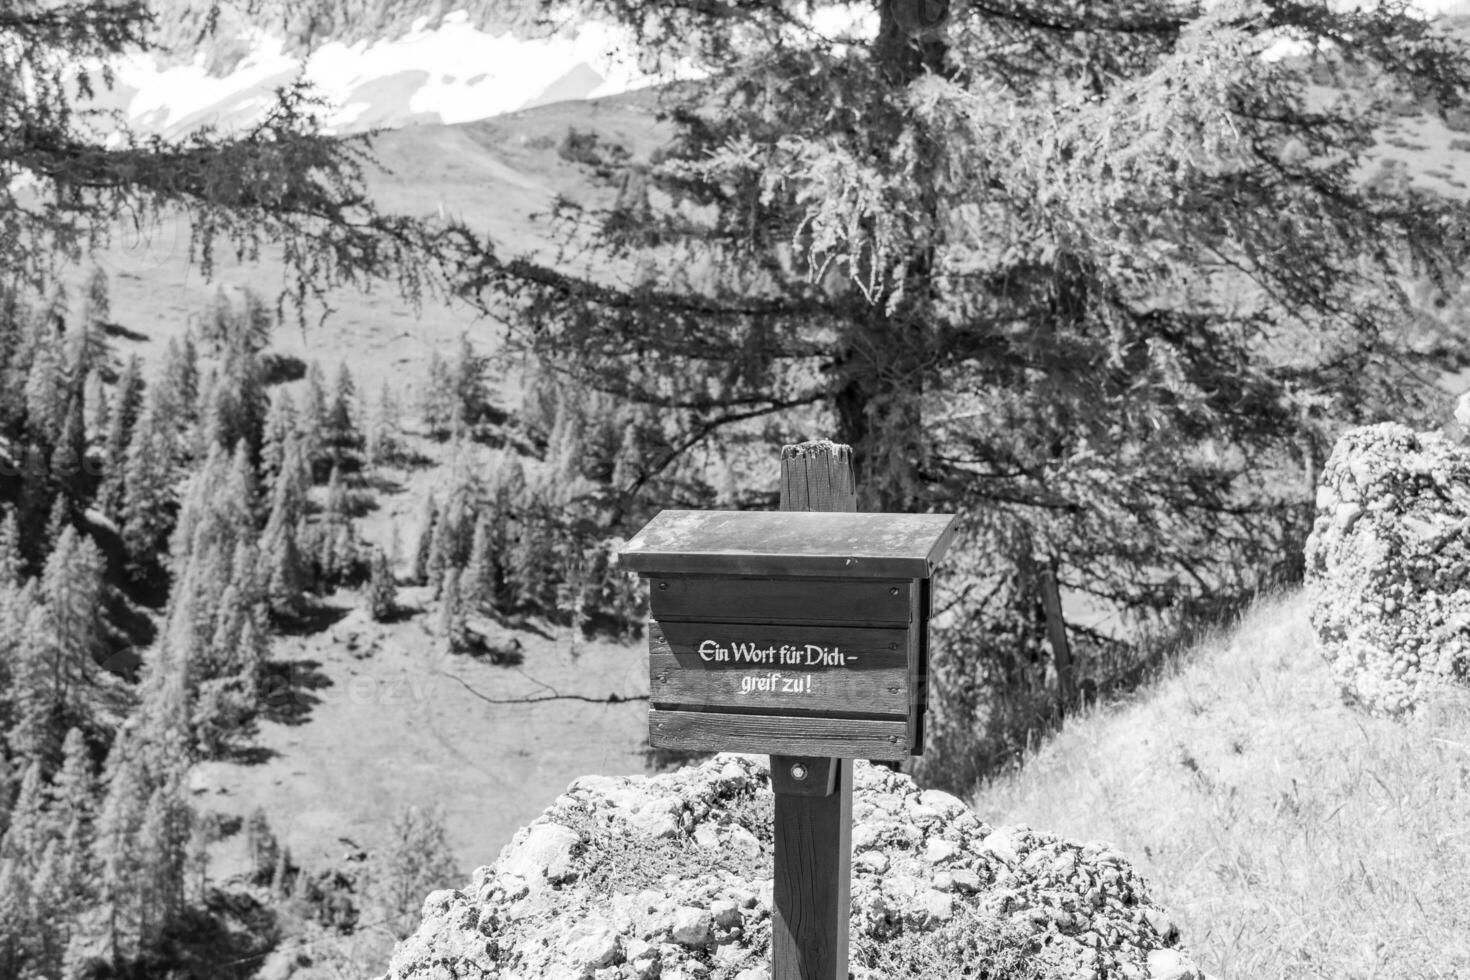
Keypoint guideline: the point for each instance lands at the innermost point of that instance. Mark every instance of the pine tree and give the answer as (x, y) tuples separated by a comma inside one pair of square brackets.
[(341, 430), (438, 398), (148, 495), (337, 550), (284, 566), (478, 585), (75, 794), (312, 409), (280, 425), (73, 588), (1021, 268), (128, 405), (382, 589), (12, 562), (424, 548), (416, 860), (466, 376), (38, 690), (98, 416), (261, 846), (384, 436), (67, 459), (179, 379), (45, 392)]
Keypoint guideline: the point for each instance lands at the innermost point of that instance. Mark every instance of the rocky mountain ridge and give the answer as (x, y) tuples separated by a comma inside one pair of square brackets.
[(632, 878)]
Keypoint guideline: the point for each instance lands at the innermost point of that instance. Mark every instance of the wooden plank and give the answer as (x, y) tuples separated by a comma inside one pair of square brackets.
[(812, 887), (739, 646), (784, 670), (847, 602), (785, 543), (839, 738), (784, 691)]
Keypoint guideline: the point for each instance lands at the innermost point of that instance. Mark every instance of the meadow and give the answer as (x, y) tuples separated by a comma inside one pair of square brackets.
[(1291, 835)]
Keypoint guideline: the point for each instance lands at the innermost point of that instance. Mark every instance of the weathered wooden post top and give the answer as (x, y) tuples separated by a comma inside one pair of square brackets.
[(791, 633)]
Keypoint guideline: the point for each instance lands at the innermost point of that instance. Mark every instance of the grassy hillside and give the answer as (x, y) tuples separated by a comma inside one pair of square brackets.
[(1292, 836)]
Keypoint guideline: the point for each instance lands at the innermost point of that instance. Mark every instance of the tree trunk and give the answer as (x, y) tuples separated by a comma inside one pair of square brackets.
[(877, 400)]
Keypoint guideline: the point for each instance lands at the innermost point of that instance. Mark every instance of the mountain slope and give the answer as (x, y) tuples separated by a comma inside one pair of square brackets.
[(1293, 836)]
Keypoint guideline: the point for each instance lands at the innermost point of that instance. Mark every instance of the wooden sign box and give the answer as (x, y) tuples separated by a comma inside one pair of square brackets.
[(789, 633)]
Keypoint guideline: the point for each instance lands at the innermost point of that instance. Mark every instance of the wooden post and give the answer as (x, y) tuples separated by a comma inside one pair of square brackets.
[(813, 821)]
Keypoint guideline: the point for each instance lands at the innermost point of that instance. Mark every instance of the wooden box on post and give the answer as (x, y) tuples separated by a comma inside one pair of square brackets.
[(791, 633)]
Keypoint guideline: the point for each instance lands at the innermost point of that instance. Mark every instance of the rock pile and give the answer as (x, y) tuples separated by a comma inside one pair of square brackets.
[(670, 877), (1389, 556)]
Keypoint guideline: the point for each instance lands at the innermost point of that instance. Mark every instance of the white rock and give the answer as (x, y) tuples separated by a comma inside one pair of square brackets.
[(965, 880), (937, 850), (726, 913), (642, 957), (692, 926), (656, 820), (706, 837), (942, 802), (591, 943), (939, 905), (865, 835), (544, 854), (741, 839), (1002, 846), (1169, 964), (874, 861)]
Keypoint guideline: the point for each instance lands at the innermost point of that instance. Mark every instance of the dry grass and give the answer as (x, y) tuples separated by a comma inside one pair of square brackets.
[(1292, 836)]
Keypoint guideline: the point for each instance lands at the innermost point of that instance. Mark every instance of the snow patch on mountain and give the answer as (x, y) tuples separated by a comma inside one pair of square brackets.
[(450, 74)]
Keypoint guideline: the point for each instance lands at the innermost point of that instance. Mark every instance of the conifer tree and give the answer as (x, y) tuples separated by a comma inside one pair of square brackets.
[(98, 417), (69, 455), (478, 585), (415, 860), (73, 587), (384, 433), (312, 411), (453, 622), (340, 426), (280, 424), (12, 562), (127, 406), (179, 378), (337, 551), (466, 375), (148, 494), (382, 589), (74, 795), (284, 567), (38, 694), (37, 496), (45, 392), (424, 547), (437, 398)]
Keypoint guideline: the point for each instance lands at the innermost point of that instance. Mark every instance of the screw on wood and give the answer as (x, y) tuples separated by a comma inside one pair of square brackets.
[(798, 771), (893, 591)]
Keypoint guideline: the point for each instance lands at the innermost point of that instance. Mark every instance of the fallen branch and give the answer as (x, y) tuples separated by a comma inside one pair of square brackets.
[(553, 696)]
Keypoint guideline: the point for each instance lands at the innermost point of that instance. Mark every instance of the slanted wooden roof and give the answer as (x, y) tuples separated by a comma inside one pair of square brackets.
[(789, 543)]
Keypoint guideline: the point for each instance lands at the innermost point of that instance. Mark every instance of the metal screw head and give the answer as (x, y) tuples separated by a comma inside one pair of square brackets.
[(798, 771), (893, 591), (663, 586)]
